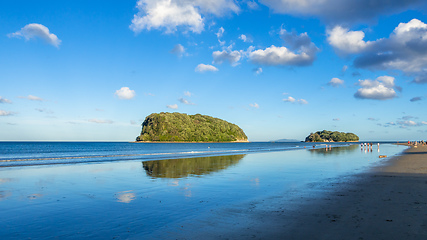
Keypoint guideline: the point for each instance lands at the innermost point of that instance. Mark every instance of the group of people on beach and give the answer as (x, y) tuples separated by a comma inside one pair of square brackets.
[(368, 146), (415, 143)]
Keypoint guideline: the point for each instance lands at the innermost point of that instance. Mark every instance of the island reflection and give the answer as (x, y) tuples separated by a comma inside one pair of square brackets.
[(184, 167)]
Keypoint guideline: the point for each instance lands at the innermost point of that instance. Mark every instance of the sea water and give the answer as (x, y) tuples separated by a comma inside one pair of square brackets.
[(125, 194), (40, 153)]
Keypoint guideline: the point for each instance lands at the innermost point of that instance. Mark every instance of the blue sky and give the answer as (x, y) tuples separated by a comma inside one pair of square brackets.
[(93, 70)]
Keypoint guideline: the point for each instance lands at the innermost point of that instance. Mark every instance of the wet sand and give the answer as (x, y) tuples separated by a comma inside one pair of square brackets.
[(390, 202)]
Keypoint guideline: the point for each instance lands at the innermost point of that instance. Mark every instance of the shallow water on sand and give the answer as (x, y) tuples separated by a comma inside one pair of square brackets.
[(142, 198)]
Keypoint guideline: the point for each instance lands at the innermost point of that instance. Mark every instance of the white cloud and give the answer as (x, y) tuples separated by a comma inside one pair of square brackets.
[(100, 121), (380, 89), (293, 100), (173, 106), (282, 56), (220, 32), (205, 68), (4, 100), (125, 93), (339, 11), (254, 105), (5, 113), (289, 99), (344, 68), (35, 30), (185, 101), (188, 94), (347, 41), (245, 38), (404, 50), (251, 4), (32, 98), (300, 51), (302, 101), (171, 14), (336, 82), (226, 55), (178, 50)]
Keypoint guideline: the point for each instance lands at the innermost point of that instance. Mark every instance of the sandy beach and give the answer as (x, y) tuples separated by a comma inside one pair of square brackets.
[(390, 202)]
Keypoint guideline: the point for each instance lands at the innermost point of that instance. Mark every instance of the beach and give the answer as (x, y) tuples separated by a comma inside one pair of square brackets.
[(388, 202)]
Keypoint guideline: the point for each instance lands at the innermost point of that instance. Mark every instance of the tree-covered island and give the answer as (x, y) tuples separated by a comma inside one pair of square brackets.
[(180, 127), (329, 136)]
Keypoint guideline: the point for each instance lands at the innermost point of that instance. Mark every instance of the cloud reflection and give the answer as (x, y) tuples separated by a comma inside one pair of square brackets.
[(125, 196)]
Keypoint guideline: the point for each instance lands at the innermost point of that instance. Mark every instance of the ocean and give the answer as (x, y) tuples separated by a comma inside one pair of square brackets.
[(94, 190), (44, 153)]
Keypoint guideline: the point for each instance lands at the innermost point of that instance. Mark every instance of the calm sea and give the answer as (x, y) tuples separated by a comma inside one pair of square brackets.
[(42, 153), (97, 190)]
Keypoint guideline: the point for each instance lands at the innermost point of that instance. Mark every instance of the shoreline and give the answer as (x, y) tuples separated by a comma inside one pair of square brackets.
[(387, 202)]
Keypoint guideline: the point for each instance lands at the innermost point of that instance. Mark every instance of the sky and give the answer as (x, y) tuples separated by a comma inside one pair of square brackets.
[(280, 69)]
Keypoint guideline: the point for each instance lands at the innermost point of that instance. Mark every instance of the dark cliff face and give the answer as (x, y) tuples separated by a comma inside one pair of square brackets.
[(329, 136), (180, 127)]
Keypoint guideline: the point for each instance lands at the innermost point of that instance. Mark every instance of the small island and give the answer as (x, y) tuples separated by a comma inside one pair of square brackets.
[(329, 136), (180, 127)]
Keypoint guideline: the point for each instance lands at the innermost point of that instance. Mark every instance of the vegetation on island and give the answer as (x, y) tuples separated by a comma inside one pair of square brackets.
[(180, 127), (329, 136)]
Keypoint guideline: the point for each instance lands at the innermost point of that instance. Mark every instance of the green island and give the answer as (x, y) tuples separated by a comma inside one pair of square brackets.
[(180, 127), (329, 136)]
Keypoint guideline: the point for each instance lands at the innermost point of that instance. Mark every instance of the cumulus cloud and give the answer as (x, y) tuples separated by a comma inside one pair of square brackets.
[(5, 113), (293, 100), (178, 50), (168, 15), (254, 105), (416, 99), (32, 98), (35, 30), (380, 89), (205, 68), (336, 82), (100, 121), (173, 106), (346, 41), (410, 123), (188, 94), (125, 93), (405, 49), (300, 51), (289, 99), (281, 56), (4, 100), (341, 11), (226, 55)]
